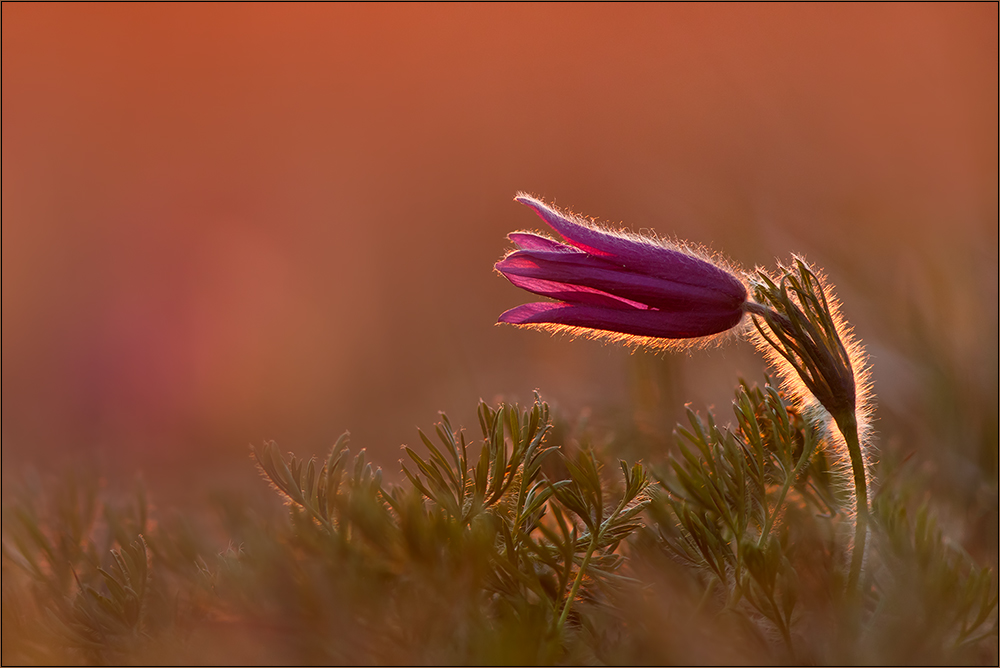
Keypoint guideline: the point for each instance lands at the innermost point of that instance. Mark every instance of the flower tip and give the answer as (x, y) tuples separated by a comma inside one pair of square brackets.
[(538, 205), (524, 197), (510, 317)]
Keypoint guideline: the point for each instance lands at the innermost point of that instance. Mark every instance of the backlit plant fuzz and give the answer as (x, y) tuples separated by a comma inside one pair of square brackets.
[(620, 286), (799, 329), (636, 290)]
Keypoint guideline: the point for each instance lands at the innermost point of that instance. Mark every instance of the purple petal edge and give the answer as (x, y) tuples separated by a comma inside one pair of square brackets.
[(537, 242), (641, 257), (658, 324), (585, 270), (574, 294)]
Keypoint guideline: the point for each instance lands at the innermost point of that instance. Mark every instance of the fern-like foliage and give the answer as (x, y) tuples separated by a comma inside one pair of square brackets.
[(94, 608), (926, 583), (759, 517), (513, 547), (95, 620), (538, 545), (729, 497)]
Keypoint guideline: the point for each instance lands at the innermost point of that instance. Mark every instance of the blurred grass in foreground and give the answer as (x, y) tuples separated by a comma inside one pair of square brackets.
[(527, 546)]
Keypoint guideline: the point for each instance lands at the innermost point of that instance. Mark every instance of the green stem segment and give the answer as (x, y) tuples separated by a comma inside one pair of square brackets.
[(576, 583), (596, 535), (849, 428), (790, 478)]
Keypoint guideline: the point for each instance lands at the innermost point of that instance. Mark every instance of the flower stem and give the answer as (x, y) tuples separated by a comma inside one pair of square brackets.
[(576, 583), (790, 478), (849, 428), (782, 625)]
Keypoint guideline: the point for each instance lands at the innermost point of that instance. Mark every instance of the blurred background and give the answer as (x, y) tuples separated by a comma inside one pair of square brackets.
[(230, 223)]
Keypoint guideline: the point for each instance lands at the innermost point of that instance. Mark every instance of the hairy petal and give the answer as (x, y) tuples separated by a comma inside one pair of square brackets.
[(532, 241), (595, 273), (641, 257), (660, 324), (576, 294)]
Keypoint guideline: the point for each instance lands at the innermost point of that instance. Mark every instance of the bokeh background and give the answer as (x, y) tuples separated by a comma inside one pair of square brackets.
[(229, 223)]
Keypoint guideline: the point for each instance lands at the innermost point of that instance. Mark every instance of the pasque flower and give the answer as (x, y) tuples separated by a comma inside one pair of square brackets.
[(617, 283), (624, 286)]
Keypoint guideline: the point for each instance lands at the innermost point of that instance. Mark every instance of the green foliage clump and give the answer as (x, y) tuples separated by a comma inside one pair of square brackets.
[(762, 521), (518, 547), (470, 563)]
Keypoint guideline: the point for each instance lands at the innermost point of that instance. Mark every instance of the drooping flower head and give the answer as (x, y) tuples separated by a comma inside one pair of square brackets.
[(637, 290), (618, 286)]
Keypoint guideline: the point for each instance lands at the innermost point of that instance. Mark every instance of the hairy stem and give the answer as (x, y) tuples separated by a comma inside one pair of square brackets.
[(849, 428), (576, 583)]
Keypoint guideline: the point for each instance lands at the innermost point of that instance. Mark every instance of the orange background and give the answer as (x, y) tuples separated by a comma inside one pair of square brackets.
[(228, 223)]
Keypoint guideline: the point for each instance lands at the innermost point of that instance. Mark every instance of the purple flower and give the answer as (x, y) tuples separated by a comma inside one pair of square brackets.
[(618, 284)]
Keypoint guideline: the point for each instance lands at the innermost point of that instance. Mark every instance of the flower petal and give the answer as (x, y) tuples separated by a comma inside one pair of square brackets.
[(641, 257), (575, 294), (659, 324), (580, 269), (531, 241)]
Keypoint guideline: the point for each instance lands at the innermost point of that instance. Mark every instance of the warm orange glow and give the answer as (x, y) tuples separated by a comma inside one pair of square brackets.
[(226, 223)]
